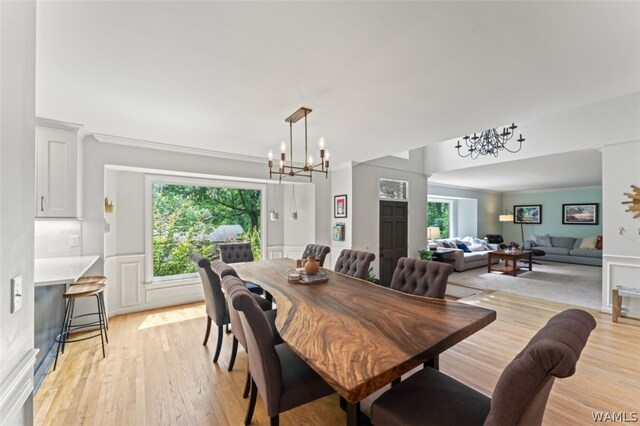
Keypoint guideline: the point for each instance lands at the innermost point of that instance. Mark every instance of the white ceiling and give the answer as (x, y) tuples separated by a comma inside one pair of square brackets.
[(382, 77), (568, 170)]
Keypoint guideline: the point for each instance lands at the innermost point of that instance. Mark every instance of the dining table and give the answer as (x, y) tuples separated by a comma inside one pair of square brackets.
[(357, 335)]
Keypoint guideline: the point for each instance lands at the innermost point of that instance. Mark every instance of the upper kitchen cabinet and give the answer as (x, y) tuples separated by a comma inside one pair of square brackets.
[(58, 169)]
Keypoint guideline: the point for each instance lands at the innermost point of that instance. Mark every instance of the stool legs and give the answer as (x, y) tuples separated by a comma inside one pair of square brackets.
[(67, 307), (101, 322)]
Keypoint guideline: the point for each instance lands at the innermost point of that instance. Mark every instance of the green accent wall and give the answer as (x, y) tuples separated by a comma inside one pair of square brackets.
[(552, 202)]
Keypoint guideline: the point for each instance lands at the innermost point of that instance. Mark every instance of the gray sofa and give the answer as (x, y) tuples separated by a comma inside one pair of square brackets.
[(462, 261), (567, 249)]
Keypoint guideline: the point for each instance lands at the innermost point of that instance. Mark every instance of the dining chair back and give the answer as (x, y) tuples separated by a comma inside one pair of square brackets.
[(520, 396), (280, 390), (354, 263), (236, 252), (319, 251), (421, 277)]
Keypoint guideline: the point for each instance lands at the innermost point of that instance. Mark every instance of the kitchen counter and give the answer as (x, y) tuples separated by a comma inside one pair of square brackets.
[(61, 270)]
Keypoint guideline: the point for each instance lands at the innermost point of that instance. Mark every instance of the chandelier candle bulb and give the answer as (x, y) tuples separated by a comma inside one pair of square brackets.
[(283, 147), (321, 144)]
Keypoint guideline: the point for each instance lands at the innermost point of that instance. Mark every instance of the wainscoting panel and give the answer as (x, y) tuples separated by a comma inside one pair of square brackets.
[(293, 252), (16, 388), (275, 252), (621, 271), (130, 279)]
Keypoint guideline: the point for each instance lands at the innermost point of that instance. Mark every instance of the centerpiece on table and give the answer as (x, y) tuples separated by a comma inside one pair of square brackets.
[(309, 273)]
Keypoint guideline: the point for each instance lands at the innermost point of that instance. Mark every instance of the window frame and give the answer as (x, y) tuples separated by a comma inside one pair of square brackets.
[(151, 179)]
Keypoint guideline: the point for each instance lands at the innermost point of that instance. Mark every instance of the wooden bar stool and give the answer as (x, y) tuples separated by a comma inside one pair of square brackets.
[(96, 279), (74, 292)]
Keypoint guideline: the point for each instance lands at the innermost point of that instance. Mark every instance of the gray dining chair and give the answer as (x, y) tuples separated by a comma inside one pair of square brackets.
[(354, 263), (215, 303), (283, 380), (236, 253), (421, 277), (319, 251), (430, 397)]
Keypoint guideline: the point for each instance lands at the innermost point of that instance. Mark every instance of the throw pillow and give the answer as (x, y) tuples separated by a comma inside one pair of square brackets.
[(477, 247), (589, 242), (542, 240), (578, 243), (599, 242), (463, 247)]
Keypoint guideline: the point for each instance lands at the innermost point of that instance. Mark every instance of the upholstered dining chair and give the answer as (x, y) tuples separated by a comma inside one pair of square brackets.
[(236, 253), (222, 270), (319, 251), (282, 378), (354, 263), (519, 398), (421, 277), (215, 303)]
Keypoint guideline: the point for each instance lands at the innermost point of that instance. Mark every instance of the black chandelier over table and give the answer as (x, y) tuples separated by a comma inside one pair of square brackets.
[(490, 142)]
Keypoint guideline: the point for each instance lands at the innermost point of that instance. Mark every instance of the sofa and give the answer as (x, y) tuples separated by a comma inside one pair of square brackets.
[(565, 249), (461, 260)]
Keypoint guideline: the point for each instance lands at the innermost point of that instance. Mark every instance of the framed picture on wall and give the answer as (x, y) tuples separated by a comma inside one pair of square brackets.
[(340, 206), (580, 214), (528, 214)]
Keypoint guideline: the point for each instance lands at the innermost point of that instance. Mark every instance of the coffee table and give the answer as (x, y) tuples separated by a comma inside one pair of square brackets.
[(510, 258), (439, 255)]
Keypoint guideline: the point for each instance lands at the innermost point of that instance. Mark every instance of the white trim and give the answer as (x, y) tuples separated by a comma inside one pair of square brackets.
[(17, 387), (161, 303), (56, 124), (608, 265), (570, 188), (616, 256), (150, 179), (464, 188), (162, 146)]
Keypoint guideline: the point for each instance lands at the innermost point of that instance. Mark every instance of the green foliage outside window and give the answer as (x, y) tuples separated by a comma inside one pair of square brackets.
[(438, 215), (186, 216)]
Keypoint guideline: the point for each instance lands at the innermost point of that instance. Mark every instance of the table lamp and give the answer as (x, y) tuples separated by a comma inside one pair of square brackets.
[(433, 232)]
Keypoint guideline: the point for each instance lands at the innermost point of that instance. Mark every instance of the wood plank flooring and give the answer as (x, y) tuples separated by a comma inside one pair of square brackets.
[(158, 373)]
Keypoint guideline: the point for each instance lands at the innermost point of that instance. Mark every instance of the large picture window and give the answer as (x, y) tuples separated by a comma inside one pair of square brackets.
[(196, 219)]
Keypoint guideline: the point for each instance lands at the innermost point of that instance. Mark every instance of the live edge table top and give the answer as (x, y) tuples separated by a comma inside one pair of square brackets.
[(357, 335)]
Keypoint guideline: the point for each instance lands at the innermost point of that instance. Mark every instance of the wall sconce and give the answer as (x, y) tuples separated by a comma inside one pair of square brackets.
[(108, 205)]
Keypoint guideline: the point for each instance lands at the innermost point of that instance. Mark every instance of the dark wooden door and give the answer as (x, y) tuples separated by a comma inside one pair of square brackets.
[(393, 237)]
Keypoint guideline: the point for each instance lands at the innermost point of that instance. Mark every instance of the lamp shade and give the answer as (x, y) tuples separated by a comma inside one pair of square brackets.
[(506, 218), (433, 232)]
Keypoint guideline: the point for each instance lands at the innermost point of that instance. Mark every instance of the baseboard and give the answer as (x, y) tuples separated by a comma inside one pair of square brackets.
[(40, 371), (16, 388), (155, 305)]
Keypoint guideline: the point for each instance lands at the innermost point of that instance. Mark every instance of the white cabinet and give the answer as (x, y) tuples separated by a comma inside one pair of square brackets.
[(57, 177)]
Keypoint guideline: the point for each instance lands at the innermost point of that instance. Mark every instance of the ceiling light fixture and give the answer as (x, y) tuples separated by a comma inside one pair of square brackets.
[(490, 142), (308, 168)]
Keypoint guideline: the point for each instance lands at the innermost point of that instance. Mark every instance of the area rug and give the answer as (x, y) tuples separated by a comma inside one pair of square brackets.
[(579, 285)]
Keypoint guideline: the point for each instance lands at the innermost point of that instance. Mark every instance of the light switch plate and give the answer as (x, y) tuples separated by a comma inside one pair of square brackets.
[(16, 292)]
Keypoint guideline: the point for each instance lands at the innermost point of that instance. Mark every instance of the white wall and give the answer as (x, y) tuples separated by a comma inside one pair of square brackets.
[(611, 121), (621, 252), (17, 198)]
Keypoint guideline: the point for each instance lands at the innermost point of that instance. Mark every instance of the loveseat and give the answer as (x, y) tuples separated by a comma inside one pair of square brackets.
[(565, 249), (478, 255)]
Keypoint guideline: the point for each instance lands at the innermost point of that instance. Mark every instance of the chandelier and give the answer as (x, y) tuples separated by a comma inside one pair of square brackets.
[(287, 168), (490, 142)]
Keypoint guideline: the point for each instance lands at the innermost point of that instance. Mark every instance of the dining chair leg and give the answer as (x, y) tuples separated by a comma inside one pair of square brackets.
[(275, 420), (206, 334), (247, 384), (219, 344), (234, 352), (252, 403), (62, 330)]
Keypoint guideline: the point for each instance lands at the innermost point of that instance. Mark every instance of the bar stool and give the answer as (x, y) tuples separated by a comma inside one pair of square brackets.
[(96, 279), (74, 292)]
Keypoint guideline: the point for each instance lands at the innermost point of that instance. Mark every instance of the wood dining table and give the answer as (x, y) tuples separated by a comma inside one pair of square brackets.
[(357, 335)]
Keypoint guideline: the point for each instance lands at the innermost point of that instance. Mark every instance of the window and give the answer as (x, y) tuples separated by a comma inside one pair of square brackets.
[(191, 218), (392, 189), (439, 214)]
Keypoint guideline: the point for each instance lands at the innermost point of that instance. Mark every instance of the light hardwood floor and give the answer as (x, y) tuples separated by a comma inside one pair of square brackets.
[(158, 373)]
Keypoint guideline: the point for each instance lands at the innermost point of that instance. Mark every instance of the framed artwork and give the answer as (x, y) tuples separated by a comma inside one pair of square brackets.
[(528, 214), (580, 214), (340, 206), (339, 231)]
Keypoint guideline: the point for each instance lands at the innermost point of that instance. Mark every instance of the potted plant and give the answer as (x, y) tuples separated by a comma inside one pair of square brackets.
[(425, 254)]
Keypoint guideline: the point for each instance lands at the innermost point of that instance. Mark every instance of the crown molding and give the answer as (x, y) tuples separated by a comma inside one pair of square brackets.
[(161, 146), (47, 122), (464, 188), (570, 188)]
